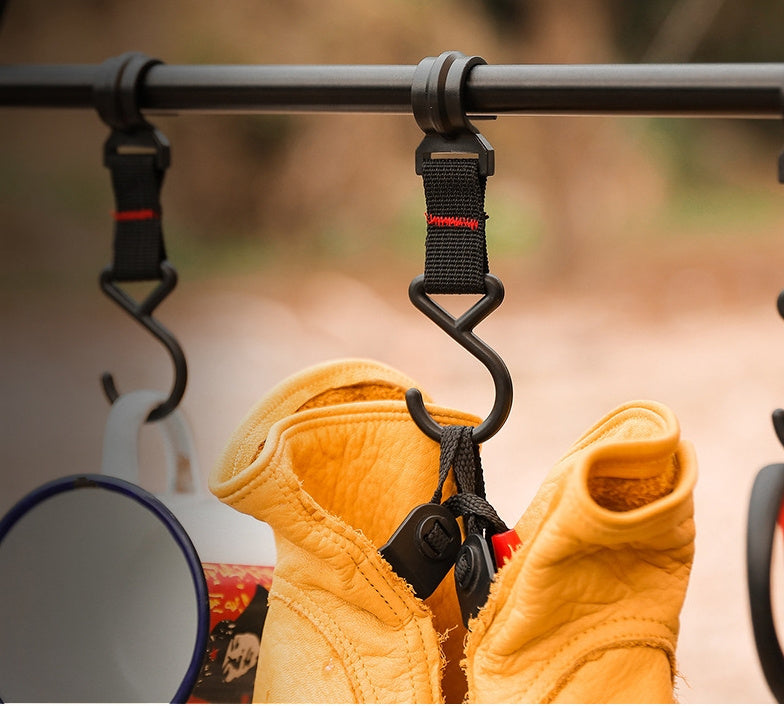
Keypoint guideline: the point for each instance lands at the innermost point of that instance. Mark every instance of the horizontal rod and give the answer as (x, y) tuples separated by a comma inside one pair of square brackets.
[(687, 90)]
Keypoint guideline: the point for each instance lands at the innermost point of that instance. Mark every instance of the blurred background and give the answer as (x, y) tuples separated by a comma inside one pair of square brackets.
[(642, 257)]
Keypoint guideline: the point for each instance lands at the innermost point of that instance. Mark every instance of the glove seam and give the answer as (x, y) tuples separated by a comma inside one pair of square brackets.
[(343, 544), (618, 639), (340, 541), (313, 510), (598, 652), (300, 603), (297, 604)]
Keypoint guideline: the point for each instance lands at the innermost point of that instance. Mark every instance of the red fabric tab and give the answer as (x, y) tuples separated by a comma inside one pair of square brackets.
[(504, 544)]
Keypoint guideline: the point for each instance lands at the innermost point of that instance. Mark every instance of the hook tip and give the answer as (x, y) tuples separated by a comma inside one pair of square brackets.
[(778, 424), (109, 388), (420, 415)]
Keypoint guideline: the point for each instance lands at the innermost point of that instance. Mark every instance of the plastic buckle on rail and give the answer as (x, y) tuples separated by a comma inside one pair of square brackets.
[(438, 107), (116, 93), (117, 87)]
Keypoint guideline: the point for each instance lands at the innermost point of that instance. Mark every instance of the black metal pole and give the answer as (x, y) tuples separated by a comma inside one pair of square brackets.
[(688, 90)]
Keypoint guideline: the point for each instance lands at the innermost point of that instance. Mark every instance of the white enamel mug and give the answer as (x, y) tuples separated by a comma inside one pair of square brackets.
[(103, 595)]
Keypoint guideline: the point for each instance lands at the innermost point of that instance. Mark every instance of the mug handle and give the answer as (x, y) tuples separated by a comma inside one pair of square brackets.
[(120, 454)]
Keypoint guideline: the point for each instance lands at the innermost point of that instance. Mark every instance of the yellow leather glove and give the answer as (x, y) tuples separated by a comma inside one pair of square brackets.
[(333, 462), (587, 609)]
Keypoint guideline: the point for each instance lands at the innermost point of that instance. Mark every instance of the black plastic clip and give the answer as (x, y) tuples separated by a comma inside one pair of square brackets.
[(474, 572), (142, 141), (116, 96), (438, 107), (424, 548), (116, 90)]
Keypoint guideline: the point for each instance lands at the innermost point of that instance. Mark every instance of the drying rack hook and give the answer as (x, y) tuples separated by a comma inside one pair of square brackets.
[(437, 101), (142, 312), (778, 415), (461, 330), (137, 155)]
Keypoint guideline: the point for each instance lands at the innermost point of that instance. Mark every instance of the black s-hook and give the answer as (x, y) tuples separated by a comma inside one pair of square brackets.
[(461, 330), (142, 312)]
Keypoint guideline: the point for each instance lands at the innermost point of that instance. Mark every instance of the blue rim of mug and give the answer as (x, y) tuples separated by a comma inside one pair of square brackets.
[(149, 501)]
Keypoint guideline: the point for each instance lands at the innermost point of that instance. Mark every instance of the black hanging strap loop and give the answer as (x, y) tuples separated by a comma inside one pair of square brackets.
[(137, 161), (455, 246), (137, 155)]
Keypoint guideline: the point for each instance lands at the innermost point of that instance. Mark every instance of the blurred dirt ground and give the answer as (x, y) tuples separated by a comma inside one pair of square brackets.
[(691, 326)]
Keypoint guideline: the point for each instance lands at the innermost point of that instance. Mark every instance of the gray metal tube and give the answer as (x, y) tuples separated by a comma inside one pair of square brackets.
[(688, 90)]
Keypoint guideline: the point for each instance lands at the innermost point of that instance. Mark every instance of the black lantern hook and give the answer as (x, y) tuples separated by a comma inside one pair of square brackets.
[(461, 330), (142, 312)]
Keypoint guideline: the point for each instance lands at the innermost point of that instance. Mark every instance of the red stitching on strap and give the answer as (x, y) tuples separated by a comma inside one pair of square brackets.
[(452, 221), (144, 214)]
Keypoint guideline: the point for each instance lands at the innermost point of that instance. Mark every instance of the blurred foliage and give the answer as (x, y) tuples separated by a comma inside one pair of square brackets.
[(254, 189)]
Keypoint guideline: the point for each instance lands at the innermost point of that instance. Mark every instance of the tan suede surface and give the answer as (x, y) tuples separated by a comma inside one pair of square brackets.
[(586, 610)]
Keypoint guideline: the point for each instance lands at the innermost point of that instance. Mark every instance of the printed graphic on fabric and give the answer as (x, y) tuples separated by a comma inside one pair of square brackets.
[(238, 609)]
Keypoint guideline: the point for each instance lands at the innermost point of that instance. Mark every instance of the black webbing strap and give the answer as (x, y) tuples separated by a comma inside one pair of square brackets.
[(455, 247), (137, 176), (461, 454)]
